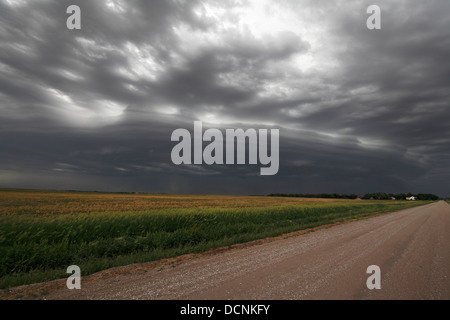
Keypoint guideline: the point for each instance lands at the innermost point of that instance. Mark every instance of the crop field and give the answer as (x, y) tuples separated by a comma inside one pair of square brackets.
[(43, 232)]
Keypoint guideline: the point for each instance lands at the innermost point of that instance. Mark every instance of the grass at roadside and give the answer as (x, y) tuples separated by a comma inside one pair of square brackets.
[(41, 234)]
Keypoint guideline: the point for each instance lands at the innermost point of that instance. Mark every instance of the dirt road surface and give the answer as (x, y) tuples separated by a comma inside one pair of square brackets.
[(411, 247)]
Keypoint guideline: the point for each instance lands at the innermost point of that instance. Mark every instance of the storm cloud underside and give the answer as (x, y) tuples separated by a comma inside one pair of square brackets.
[(93, 109)]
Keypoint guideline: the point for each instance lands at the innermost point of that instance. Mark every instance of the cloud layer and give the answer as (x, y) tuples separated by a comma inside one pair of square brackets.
[(358, 110)]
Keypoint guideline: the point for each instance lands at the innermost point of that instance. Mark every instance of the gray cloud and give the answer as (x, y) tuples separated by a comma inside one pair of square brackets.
[(358, 110)]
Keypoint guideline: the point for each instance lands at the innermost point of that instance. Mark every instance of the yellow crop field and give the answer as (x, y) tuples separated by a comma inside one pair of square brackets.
[(60, 202)]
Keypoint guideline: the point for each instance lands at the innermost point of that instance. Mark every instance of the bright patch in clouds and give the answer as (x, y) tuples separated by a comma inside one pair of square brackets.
[(117, 6), (16, 2), (167, 110), (142, 63), (92, 113)]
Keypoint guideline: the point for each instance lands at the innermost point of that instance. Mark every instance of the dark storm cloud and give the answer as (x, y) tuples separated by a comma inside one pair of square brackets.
[(358, 110)]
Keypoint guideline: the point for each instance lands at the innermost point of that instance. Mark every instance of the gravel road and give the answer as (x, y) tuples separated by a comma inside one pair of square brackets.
[(411, 247)]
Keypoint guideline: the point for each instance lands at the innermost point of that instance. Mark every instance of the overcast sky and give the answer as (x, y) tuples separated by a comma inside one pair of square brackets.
[(358, 110)]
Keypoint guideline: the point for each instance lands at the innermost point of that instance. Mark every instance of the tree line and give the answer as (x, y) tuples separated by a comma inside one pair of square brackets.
[(367, 196)]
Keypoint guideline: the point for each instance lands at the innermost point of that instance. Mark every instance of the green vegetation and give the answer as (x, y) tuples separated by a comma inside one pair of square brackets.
[(38, 246)]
